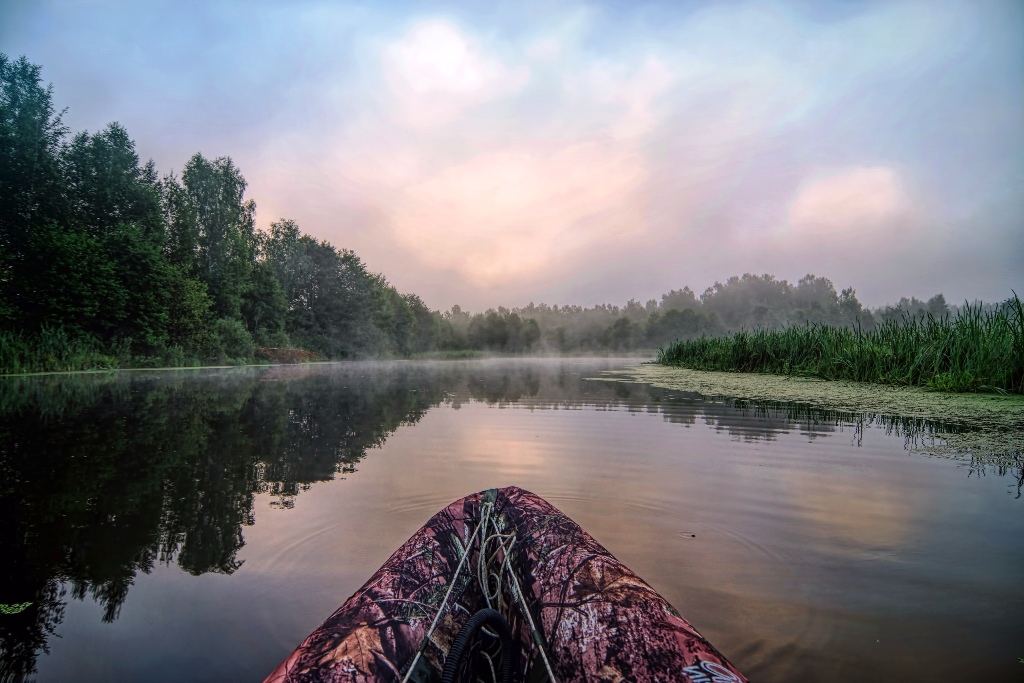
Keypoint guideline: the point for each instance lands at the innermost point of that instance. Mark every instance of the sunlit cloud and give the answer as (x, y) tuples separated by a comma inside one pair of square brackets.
[(854, 203), (514, 212), (436, 71)]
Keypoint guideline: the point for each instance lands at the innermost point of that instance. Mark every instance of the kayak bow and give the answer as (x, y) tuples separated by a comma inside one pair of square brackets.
[(504, 559)]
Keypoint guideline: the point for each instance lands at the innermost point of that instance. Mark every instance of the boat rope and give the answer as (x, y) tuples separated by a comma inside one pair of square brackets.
[(483, 577), (517, 594), (451, 586), (489, 533)]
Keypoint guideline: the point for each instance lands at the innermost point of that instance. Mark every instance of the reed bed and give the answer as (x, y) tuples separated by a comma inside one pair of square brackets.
[(53, 349), (975, 351)]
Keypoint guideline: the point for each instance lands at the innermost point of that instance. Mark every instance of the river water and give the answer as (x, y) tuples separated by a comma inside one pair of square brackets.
[(196, 525)]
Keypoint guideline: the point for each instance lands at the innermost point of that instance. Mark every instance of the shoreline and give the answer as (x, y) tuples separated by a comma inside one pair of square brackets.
[(640, 358)]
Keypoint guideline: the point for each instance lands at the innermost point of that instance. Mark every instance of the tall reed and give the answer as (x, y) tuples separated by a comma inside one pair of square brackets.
[(975, 351), (53, 349)]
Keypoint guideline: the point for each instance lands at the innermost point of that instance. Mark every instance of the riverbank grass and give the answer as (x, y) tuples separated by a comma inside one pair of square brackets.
[(975, 351), (52, 349)]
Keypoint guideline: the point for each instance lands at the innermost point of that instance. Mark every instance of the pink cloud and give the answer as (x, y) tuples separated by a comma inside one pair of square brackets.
[(852, 203), (514, 213)]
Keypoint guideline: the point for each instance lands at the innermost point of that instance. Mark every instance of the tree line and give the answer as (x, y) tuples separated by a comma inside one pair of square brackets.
[(102, 257), (740, 303), (105, 262)]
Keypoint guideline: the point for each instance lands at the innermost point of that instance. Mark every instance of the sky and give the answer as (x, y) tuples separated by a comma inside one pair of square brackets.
[(498, 153)]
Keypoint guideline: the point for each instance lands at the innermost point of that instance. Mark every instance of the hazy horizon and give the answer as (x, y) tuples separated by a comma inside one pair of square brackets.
[(587, 153)]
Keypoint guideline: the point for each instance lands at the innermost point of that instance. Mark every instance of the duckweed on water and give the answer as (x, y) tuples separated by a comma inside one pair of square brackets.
[(990, 426)]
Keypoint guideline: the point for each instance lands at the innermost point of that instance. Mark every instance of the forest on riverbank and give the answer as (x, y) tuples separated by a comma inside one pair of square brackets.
[(103, 262), (106, 263)]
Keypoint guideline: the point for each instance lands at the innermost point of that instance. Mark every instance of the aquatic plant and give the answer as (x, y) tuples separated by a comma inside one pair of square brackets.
[(975, 351)]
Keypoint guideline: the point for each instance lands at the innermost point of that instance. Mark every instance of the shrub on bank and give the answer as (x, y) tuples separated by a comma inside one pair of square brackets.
[(234, 341)]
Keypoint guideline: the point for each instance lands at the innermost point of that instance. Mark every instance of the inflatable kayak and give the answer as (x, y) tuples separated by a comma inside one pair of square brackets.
[(501, 586)]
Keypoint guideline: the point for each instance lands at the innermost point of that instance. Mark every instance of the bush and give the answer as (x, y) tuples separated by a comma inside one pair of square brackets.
[(235, 341), (273, 339)]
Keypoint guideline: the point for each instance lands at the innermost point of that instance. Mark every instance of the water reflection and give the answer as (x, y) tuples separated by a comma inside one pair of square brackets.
[(104, 476)]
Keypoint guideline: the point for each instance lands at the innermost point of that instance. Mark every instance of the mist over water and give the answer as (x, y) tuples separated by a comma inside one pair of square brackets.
[(198, 524)]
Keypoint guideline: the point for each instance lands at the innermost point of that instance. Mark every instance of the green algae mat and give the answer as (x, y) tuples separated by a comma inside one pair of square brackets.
[(989, 425)]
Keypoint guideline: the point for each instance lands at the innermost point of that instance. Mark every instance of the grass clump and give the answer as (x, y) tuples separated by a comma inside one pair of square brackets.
[(975, 351)]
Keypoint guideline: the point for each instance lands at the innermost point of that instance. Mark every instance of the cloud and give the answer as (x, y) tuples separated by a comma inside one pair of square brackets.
[(491, 204), (436, 71), (519, 211), (853, 203), (546, 49), (634, 90)]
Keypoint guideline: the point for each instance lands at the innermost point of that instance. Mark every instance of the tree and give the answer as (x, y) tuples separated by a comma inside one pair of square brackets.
[(265, 308), (425, 331), (116, 203), (502, 330), (107, 187), (190, 315), (663, 329), (31, 182), (937, 306), (621, 335), (211, 229), (70, 280)]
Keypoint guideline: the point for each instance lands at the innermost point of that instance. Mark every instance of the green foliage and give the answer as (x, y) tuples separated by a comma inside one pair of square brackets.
[(335, 306), (423, 330), (211, 229), (190, 314), (622, 334), (145, 283), (976, 350), (915, 308), (107, 188), (673, 324), (265, 308), (233, 340), (31, 135), (119, 263), (740, 302), (69, 280)]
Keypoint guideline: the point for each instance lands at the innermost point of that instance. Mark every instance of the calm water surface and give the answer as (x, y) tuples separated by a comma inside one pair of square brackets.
[(196, 525)]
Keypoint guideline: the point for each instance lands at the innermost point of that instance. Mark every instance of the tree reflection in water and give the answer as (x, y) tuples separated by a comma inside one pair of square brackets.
[(105, 476)]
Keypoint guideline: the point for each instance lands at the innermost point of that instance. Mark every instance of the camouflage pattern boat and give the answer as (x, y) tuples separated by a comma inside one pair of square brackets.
[(502, 586)]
